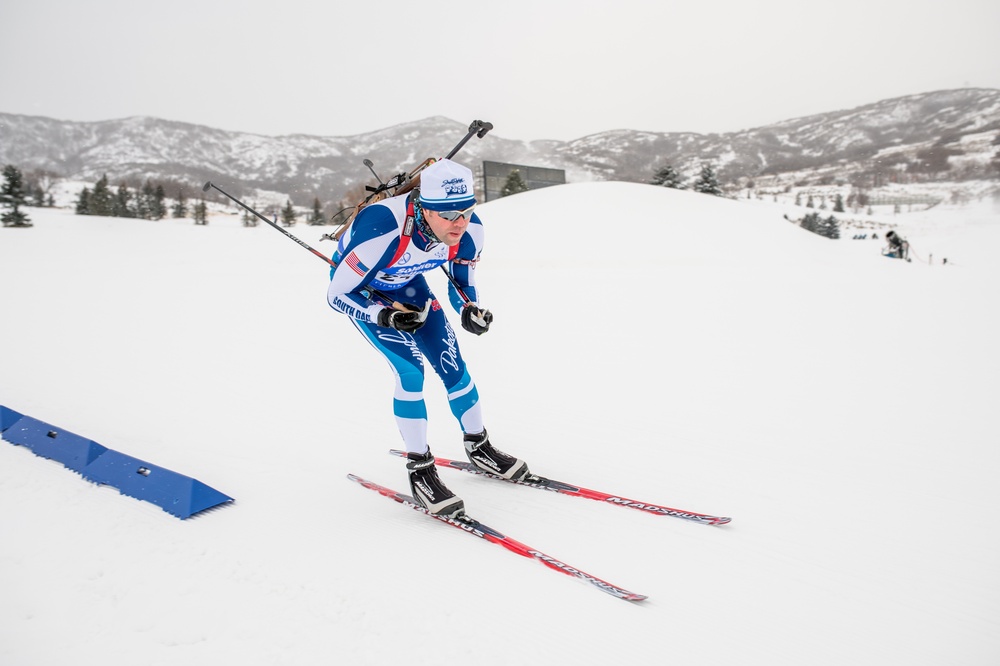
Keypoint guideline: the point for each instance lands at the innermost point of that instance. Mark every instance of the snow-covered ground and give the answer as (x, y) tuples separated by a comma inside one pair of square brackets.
[(669, 346)]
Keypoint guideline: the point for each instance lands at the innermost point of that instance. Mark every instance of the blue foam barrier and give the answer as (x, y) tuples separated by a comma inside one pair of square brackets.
[(8, 417), (175, 493), (44, 440)]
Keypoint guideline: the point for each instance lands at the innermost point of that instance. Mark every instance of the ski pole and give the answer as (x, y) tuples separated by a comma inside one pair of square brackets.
[(210, 185), (478, 128), (389, 299), (458, 287)]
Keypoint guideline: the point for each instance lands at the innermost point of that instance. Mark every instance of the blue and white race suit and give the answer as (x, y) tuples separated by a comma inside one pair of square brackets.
[(365, 262)]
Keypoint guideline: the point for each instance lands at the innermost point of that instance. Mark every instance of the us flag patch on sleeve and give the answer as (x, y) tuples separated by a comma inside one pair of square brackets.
[(355, 264)]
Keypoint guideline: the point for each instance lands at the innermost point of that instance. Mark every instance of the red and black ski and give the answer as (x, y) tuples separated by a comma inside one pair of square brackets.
[(476, 528), (568, 489)]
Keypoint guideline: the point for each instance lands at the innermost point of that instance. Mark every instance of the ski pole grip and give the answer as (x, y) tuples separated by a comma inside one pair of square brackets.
[(477, 128)]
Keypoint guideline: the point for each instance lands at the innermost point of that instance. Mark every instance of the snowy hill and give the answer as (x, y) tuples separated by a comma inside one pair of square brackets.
[(673, 347)]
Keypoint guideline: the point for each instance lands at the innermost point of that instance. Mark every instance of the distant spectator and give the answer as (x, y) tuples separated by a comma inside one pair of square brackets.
[(898, 246)]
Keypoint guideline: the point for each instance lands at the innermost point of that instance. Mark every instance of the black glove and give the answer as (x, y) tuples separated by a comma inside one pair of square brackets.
[(475, 320), (403, 320)]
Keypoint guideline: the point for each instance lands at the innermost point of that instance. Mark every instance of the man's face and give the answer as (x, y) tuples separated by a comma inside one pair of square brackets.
[(449, 233)]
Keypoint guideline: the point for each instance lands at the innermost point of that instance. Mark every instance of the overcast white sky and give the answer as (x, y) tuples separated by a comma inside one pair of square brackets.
[(536, 69)]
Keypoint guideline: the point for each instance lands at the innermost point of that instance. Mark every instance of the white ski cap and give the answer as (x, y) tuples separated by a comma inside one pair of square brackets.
[(446, 185)]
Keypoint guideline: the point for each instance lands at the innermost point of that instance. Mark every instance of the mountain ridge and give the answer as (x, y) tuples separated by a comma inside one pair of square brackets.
[(940, 135)]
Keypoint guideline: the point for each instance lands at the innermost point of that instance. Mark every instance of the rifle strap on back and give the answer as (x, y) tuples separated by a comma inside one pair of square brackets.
[(404, 238)]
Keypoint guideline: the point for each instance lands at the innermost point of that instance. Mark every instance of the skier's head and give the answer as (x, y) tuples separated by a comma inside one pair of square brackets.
[(446, 185), (447, 199)]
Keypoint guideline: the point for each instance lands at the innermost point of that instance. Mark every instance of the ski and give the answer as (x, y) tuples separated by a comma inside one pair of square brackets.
[(544, 483), (476, 528)]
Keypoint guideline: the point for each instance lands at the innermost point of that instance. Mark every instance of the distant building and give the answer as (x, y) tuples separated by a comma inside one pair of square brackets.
[(495, 174)]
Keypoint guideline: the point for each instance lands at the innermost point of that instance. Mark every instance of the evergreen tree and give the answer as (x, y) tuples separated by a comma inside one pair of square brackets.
[(513, 184), (248, 219), (667, 177), (83, 202), (288, 214), (12, 196), (201, 212), (121, 205), (798, 198), (829, 228), (811, 222), (158, 206), (317, 212), (708, 182), (838, 204), (144, 201), (101, 199), (826, 227), (180, 208)]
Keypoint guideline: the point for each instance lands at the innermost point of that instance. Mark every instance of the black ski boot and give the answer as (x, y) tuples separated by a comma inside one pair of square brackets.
[(427, 488), (491, 460)]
